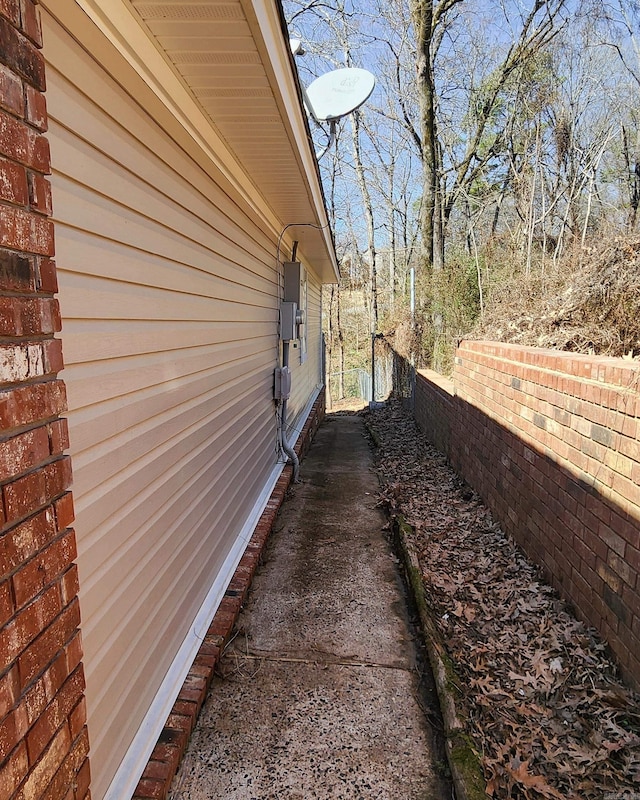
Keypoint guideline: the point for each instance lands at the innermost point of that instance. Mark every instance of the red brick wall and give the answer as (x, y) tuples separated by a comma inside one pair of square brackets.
[(434, 407), (43, 736), (550, 441)]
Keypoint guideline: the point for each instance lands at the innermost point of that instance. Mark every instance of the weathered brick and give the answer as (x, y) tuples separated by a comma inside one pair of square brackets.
[(157, 770), (24, 495), (12, 730), (51, 639), (9, 691), (52, 356), (9, 322), (178, 722), (7, 606), (21, 453), (10, 9), (40, 315), (622, 568), (47, 280), (39, 193), (57, 476), (149, 789), (83, 780), (42, 715), (36, 109), (185, 709), (47, 685), (21, 362), (27, 625), (24, 405), (43, 771), (23, 541), (26, 231), (13, 183), (175, 738), (632, 555), (21, 143), (73, 651), (64, 779), (55, 715), (19, 54), (557, 390), (58, 437), (64, 511), (167, 754), (35, 698), (45, 568), (17, 272), (70, 585), (13, 772), (611, 538), (78, 717), (23, 316), (30, 21)]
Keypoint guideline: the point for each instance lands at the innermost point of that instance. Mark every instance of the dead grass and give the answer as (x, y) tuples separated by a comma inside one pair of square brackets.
[(589, 304)]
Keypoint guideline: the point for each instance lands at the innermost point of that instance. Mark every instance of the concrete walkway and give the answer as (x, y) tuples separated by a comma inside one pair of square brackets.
[(320, 696)]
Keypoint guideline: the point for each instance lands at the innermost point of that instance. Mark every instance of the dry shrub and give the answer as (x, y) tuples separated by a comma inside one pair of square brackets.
[(589, 304)]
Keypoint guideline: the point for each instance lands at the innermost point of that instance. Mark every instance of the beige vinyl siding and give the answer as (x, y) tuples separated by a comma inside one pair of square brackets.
[(307, 377), (168, 296)]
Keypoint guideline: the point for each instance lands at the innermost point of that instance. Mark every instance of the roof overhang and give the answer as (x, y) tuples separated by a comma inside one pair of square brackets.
[(222, 73)]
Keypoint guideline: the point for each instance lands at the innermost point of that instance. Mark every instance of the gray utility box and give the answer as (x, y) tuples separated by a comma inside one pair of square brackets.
[(288, 321), (294, 278), (282, 383)]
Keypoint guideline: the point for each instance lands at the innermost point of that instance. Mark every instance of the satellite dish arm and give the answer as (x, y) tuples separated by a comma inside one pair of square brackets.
[(308, 104), (332, 138)]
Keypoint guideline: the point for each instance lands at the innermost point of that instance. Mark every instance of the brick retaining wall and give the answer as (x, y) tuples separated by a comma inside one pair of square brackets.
[(550, 442)]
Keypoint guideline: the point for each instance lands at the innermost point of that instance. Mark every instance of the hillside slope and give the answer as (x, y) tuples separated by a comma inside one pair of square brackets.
[(590, 305)]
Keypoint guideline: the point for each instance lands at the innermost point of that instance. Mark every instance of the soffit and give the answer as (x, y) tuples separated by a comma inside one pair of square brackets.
[(233, 59)]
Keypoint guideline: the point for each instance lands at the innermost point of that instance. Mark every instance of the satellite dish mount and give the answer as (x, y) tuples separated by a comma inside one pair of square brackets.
[(335, 94)]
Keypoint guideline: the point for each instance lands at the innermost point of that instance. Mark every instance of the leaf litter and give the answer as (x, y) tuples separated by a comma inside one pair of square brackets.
[(548, 713)]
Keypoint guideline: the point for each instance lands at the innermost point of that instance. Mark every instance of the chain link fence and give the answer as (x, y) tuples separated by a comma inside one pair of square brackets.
[(400, 374), (392, 374), (352, 383)]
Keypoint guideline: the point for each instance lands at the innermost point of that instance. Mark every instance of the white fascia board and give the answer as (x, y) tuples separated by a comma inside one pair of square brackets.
[(264, 20), (119, 24)]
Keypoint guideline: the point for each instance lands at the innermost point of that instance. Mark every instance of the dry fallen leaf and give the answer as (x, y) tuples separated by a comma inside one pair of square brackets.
[(534, 680), (522, 776)]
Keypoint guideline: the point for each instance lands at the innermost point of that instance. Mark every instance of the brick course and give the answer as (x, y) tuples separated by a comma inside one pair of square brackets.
[(43, 734), (550, 441)]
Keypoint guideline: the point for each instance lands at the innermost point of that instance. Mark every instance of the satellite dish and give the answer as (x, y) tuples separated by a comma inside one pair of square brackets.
[(296, 47), (338, 93)]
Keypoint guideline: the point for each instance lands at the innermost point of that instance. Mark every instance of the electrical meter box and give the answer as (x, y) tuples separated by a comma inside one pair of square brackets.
[(288, 321), (294, 281)]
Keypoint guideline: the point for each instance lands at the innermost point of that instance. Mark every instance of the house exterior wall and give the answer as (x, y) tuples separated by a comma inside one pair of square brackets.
[(550, 441), (43, 736), (169, 296), (306, 372)]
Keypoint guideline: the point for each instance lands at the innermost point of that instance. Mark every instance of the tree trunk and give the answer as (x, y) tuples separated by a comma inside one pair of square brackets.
[(422, 13), (368, 213)]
